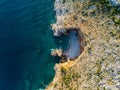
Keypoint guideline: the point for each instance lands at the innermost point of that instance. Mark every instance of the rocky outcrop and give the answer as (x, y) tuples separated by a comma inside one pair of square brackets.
[(57, 52), (60, 28), (98, 67)]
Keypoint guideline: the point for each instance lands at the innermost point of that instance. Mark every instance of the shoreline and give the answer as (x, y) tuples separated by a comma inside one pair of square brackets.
[(73, 51), (99, 43)]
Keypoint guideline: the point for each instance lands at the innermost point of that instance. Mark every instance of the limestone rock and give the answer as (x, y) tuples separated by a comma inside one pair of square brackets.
[(57, 52)]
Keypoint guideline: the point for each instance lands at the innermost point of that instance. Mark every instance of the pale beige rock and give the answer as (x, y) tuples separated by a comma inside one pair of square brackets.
[(98, 67), (57, 52)]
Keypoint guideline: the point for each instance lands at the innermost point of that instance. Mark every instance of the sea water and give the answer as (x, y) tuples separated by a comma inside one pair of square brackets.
[(25, 43)]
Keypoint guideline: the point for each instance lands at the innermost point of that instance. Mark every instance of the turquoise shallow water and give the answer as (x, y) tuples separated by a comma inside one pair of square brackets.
[(25, 43)]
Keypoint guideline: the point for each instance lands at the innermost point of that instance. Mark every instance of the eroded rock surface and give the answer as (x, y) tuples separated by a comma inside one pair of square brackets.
[(98, 67), (57, 52)]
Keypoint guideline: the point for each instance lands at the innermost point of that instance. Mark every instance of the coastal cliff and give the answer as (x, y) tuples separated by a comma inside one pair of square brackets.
[(98, 66)]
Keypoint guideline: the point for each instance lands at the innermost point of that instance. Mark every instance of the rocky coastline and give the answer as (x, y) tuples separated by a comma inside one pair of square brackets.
[(98, 66), (74, 49)]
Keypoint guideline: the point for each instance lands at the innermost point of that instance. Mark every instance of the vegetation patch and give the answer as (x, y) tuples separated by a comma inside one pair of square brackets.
[(106, 8)]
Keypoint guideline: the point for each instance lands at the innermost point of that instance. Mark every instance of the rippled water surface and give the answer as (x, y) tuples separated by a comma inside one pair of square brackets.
[(25, 43)]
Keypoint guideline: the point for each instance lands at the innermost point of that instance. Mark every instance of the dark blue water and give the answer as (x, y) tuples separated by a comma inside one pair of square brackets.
[(25, 43)]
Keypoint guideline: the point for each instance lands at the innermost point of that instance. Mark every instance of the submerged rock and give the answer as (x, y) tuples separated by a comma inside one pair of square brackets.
[(74, 45), (74, 48)]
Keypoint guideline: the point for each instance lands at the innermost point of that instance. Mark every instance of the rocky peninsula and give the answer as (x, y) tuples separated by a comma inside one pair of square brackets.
[(97, 66)]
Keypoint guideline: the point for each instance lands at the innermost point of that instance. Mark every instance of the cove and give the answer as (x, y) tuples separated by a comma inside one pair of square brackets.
[(73, 50), (74, 47), (25, 43)]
